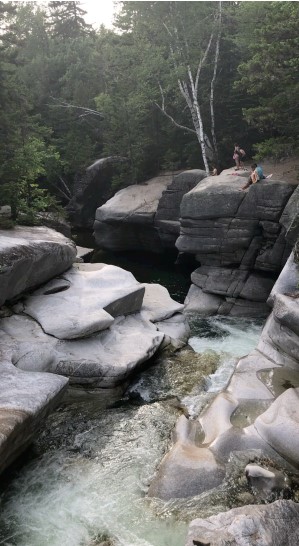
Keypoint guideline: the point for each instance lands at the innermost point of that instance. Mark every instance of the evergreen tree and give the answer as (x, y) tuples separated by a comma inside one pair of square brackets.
[(270, 74), (66, 20)]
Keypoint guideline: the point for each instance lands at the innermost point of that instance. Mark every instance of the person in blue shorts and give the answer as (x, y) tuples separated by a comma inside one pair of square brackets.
[(255, 176)]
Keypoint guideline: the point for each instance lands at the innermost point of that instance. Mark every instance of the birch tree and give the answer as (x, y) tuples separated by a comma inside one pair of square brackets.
[(189, 79)]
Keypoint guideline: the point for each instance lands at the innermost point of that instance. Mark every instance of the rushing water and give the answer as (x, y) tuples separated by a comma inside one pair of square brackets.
[(89, 476)]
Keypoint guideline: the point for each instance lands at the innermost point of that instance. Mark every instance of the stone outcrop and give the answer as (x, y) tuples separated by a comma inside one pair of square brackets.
[(274, 524), (145, 216), (91, 190), (92, 326), (95, 324), (264, 386), (241, 240), (84, 302), (25, 399), (30, 256)]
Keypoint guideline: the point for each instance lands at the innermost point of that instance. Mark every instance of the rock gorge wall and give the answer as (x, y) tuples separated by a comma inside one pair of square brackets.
[(240, 239), (145, 216)]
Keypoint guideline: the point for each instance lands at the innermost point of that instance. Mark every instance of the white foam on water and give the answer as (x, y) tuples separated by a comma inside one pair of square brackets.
[(239, 336), (67, 499), (233, 339)]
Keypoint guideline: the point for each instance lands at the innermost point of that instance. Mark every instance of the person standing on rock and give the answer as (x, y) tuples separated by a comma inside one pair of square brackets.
[(239, 155)]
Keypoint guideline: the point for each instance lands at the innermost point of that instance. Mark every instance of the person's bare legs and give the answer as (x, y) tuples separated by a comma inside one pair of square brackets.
[(248, 183)]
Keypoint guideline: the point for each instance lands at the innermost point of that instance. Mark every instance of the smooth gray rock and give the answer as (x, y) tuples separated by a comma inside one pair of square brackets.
[(187, 470), (169, 204), (198, 302), (30, 256), (155, 205), (286, 311), (290, 217), (105, 359), (176, 330), (279, 344), (237, 238), (265, 482), (279, 425), (275, 524), (157, 304), (135, 204), (25, 399), (83, 302)]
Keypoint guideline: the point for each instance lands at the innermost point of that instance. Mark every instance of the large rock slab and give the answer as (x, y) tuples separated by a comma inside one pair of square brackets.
[(106, 359), (30, 256), (25, 399), (126, 222), (154, 205), (157, 304), (273, 524), (83, 302)]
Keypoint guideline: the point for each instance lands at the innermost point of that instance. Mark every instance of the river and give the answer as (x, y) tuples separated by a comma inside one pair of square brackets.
[(85, 479)]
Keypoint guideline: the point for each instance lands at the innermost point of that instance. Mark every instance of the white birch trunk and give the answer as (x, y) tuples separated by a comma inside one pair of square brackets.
[(213, 84), (189, 91)]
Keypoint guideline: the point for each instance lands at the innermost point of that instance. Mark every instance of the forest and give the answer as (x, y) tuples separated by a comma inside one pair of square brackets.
[(173, 86)]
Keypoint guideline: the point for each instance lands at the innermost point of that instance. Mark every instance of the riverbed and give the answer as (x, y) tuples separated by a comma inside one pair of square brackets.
[(86, 478)]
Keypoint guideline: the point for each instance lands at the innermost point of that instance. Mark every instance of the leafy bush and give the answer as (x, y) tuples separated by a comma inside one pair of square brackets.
[(27, 200), (276, 148)]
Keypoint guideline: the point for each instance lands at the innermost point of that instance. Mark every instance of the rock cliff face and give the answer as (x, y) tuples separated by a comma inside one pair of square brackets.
[(146, 216), (239, 239)]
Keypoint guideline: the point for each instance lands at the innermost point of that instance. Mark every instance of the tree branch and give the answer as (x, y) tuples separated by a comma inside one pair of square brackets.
[(86, 111), (163, 110)]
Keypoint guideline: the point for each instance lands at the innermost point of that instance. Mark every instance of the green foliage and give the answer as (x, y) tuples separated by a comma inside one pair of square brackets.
[(27, 200), (276, 148), (270, 73), (70, 94)]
